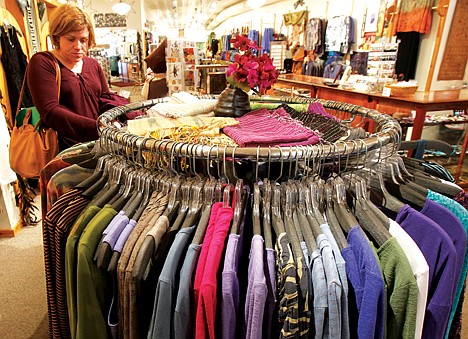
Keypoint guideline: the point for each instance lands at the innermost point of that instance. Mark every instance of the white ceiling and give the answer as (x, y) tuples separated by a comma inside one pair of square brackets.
[(189, 13)]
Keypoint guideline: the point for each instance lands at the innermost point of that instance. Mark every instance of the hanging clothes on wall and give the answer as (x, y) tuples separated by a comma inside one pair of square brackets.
[(313, 68), (340, 35), (358, 62), (266, 39), (415, 16), (315, 35), (254, 36), (14, 63), (407, 56)]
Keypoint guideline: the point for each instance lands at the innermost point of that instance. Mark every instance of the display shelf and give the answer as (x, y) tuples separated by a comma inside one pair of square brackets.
[(381, 61), (277, 53)]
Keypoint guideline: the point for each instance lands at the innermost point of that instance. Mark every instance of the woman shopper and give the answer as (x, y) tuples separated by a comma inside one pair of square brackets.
[(84, 92)]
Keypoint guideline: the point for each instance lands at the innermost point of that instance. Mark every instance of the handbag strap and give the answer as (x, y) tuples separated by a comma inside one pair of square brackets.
[(58, 79)]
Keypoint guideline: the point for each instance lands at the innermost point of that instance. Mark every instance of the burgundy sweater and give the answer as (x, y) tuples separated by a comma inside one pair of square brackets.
[(81, 101)]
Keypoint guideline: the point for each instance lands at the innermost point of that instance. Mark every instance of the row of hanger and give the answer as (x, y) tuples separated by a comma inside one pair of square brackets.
[(346, 191)]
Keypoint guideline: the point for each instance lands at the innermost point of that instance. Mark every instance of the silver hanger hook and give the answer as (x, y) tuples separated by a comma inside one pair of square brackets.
[(233, 156), (194, 161), (380, 149), (355, 149), (345, 151), (159, 154), (296, 166), (208, 159), (135, 150), (290, 158), (217, 163), (282, 163), (224, 164), (365, 152), (304, 157), (185, 165), (338, 157), (269, 161), (256, 167), (173, 147), (140, 157)]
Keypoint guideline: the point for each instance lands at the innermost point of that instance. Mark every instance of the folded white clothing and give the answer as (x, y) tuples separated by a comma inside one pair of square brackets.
[(171, 110), (183, 98)]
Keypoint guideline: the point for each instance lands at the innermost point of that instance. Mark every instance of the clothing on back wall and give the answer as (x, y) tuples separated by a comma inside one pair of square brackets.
[(315, 36), (407, 56), (15, 61), (339, 35)]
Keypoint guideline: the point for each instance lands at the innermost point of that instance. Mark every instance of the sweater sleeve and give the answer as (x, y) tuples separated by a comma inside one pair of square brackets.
[(69, 123)]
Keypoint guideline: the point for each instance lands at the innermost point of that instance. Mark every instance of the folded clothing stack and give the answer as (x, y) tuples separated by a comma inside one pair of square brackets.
[(270, 128), (183, 104), (163, 127)]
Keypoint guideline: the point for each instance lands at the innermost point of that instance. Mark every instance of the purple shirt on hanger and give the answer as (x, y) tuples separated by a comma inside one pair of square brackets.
[(270, 275), (121, 220), (454, 229), (441, 256), (114, 222), (119, 245), (366, 280), (230, 288), (256, 290)]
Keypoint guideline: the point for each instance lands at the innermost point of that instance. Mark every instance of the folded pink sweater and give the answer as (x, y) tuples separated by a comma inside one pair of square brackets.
[(275, 128)]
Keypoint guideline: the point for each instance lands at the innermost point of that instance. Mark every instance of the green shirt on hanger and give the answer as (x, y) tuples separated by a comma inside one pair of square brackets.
[(402, 290), (70, 262), (94, 286)]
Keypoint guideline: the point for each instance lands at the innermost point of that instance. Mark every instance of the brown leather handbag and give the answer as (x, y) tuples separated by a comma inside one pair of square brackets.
[(33, 146)]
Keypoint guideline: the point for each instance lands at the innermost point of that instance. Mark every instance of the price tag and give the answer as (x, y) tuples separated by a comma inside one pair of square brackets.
[(386, 91)]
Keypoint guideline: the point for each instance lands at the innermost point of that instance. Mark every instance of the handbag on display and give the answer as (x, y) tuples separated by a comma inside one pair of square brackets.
[(32, 145)]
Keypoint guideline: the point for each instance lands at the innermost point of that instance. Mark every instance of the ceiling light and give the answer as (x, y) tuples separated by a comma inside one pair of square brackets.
[(121, 8), (255, 3)]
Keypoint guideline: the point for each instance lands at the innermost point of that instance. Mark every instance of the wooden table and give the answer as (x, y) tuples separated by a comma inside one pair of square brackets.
[(420, 102)]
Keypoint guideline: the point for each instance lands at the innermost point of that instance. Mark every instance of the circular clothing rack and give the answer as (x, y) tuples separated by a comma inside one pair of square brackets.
[(388, 131)]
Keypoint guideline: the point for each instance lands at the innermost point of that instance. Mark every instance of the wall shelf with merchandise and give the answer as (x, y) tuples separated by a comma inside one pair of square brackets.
[(381, 62)]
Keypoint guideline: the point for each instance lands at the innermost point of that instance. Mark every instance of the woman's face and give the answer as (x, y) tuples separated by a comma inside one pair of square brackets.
[(74, 45)]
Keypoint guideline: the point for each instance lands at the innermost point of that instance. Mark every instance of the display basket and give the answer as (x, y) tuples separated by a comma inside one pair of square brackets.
[(401, 91)]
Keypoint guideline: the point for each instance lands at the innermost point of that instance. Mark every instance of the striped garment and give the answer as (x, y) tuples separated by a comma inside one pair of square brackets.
[(64, 180), (57, 329), (288, 296), (303, 277), (62, 230), (47, 172)]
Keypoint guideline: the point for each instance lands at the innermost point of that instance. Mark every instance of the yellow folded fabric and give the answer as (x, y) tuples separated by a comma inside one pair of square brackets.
[(162, 127)]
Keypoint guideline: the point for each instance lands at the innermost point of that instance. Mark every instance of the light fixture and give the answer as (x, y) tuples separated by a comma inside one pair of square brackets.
[(121, 8), (255, 3)]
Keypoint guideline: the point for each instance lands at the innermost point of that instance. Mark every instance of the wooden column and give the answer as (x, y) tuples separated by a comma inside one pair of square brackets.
[(442, 9)]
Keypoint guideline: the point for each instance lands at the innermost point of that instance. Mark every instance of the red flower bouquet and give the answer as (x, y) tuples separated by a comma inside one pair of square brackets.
[(249, 71)]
